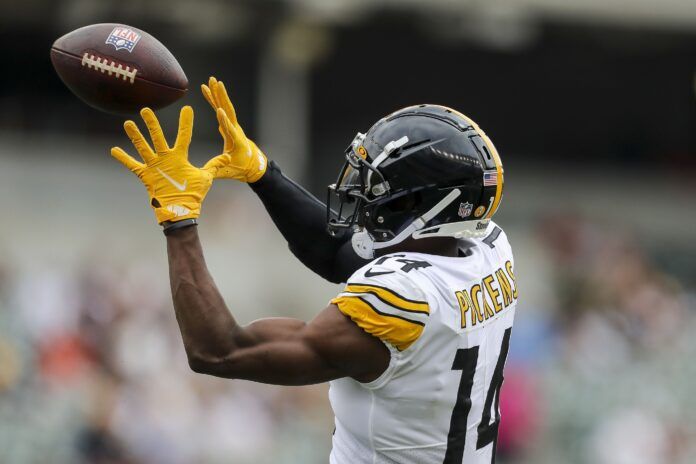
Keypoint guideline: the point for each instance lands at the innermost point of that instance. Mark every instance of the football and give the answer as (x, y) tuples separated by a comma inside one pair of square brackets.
[(118, 68)]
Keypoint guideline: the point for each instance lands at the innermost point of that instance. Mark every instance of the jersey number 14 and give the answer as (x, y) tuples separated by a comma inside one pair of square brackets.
[(465, 360)]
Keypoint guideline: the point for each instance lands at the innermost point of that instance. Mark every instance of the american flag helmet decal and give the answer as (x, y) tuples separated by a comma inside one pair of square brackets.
[(490, 178)]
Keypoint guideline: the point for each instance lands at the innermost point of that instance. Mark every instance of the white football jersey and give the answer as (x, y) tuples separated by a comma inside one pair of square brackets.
[(447, 323)]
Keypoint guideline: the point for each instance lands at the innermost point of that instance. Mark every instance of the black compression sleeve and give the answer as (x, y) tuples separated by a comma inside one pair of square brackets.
[(301, 218)]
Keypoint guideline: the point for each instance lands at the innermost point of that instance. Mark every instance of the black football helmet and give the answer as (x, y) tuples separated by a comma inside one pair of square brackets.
[(423, 171)]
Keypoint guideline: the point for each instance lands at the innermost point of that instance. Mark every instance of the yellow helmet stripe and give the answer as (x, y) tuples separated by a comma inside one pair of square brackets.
[(496, 159), (499, 170)]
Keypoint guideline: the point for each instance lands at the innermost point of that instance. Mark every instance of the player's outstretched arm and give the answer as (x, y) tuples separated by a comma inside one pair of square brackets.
[(279, 351), (299, 216)]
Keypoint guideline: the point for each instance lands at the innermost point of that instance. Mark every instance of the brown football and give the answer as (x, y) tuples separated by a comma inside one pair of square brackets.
[(118, 68)]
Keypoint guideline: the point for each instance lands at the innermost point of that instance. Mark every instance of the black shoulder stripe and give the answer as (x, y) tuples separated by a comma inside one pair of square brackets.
[(388, 290), (392, 304), (390, 315)]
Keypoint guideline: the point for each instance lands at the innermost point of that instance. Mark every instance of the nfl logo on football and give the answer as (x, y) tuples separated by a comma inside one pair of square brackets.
[(123, 38)]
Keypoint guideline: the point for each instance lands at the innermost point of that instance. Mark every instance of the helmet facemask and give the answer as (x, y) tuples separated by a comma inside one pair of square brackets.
[(347, 198)]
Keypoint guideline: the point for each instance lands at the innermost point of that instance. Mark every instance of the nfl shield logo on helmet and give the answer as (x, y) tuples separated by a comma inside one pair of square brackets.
[(465, 209), (123, 38)]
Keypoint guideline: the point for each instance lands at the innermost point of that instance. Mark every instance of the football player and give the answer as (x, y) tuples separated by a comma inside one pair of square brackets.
[(415, 343)]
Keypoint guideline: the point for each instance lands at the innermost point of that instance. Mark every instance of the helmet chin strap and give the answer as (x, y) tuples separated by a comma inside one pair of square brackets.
[(365, 246)]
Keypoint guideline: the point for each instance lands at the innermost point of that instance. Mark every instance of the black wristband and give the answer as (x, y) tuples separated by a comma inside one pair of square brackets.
[(168, 227)]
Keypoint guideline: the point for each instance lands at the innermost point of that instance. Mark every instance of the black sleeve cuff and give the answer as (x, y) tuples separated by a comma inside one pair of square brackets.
[(272, 175)]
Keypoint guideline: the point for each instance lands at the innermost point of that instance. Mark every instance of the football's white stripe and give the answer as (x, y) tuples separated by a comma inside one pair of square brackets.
[(386, 308)]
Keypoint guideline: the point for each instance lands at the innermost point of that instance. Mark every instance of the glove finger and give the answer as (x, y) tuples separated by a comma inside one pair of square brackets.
[(127, 160), (212, 82), (156, 134), (208, 95), (232, 134), (139, 142), (224, 102), (228, 144), (183, 137)]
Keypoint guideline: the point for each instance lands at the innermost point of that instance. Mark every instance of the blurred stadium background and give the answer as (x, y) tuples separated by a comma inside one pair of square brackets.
[(591, 105)]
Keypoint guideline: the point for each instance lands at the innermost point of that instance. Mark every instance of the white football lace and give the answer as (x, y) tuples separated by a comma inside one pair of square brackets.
[(102, 64)]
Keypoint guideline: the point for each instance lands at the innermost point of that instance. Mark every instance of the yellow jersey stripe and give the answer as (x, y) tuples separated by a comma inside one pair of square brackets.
[(390, 297), (398, 331)]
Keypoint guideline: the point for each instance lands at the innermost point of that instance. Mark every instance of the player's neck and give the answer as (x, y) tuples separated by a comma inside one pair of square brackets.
[(442, 246)]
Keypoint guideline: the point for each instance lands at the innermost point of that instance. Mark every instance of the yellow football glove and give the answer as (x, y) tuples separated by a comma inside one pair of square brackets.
[(176, 187), (246, 162)]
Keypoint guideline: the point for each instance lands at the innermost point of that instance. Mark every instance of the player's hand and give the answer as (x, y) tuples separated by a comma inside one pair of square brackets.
[(246, 162), (176, 187)]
